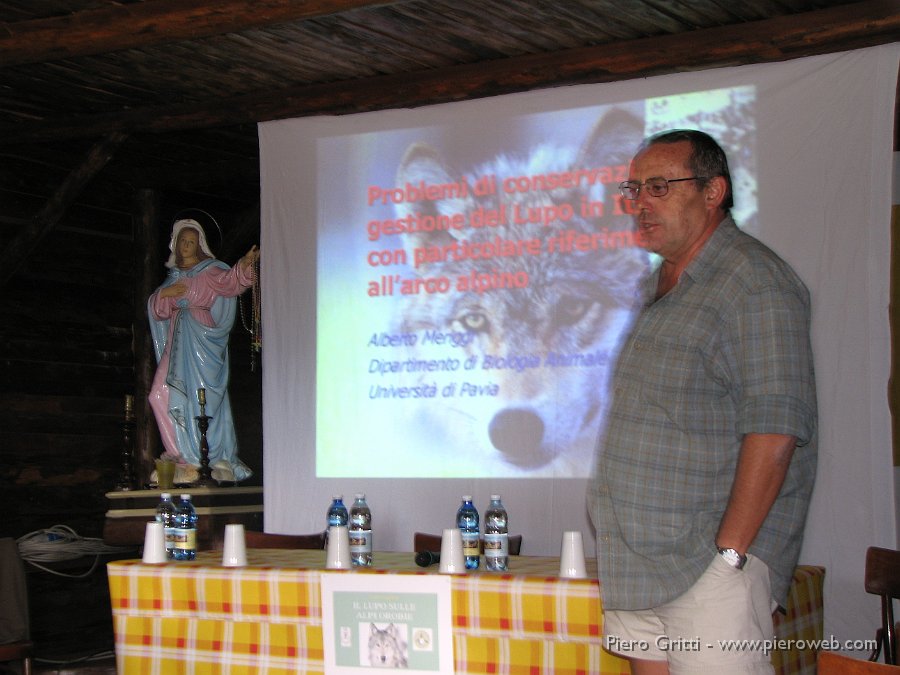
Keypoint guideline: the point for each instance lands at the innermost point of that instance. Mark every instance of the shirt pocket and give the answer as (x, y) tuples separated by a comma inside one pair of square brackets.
[(668, 366), (680, 381)]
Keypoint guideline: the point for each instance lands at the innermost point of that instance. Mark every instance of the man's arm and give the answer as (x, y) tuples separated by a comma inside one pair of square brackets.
[(762, 467)]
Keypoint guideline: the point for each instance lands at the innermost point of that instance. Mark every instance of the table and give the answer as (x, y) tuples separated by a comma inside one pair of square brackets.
[(129, 510), (803, 623), (266, 618)]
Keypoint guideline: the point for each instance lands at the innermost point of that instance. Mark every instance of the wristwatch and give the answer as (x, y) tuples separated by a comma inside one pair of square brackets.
[(732, 557)]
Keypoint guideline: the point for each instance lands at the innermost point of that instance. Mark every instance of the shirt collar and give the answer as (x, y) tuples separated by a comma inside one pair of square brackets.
[(720, 240), (702, 265)]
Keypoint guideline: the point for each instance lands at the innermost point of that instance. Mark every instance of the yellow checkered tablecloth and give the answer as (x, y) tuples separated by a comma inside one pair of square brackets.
[(266, 618), (803, 623)]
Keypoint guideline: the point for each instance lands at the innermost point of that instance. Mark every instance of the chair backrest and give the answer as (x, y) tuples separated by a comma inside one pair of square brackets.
[(269, 540), (832, 663), (883, 579), (423, 541)]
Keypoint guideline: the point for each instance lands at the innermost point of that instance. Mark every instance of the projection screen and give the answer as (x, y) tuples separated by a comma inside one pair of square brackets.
[(445, 289)]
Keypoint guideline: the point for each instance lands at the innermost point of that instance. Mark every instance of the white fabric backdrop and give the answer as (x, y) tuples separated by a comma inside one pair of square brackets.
[(825, 162)]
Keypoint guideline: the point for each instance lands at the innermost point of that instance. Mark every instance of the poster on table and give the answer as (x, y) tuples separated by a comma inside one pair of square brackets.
[(386, 622)]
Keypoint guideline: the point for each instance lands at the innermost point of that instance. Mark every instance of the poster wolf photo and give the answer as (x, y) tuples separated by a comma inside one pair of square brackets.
[(386, 647)]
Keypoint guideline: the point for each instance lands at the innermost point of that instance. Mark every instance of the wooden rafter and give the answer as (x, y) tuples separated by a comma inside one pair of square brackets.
[(130, 26), (839, 28), (27, 240)]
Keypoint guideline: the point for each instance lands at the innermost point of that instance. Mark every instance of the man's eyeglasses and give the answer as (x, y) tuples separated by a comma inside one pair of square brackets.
[(655, 187)]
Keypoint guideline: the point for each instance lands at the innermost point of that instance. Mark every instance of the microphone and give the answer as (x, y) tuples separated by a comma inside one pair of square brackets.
[(426, 558)]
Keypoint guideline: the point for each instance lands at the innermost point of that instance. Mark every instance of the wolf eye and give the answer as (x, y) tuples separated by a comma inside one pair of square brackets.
[(570, 309), (475, 322)]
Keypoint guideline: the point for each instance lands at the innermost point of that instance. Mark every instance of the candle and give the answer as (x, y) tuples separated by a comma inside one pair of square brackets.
[(201, 396)]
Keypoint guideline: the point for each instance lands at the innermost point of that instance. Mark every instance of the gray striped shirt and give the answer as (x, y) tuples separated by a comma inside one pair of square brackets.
[(725, 353)]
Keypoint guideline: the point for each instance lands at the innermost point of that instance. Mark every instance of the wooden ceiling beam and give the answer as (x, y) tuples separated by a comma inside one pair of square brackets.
[(19, 249), (841, 28), (130, 26)]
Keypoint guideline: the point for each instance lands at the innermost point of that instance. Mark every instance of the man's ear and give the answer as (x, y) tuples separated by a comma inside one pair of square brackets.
[(715, 192)]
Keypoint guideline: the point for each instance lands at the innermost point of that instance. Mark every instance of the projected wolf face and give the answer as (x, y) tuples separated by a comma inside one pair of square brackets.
[(534, 398)]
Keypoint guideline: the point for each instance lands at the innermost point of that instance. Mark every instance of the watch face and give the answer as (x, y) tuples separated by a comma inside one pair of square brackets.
[(732, 557)]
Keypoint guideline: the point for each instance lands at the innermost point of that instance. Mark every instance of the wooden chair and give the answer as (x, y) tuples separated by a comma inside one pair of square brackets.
[(832, 663), (883, 578), (422, 541), (269, 540)]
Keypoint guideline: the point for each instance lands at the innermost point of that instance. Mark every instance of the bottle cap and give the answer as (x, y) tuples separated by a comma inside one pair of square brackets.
[(337, 497), (186, 496), (467, 498), (165, 495), (360, 495), (495, 498)]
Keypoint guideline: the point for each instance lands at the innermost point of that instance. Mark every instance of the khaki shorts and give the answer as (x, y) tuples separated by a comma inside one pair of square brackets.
[(694, 632)]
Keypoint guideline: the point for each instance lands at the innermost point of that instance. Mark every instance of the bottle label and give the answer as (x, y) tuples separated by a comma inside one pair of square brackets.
[(183, 539), (362, 521), (470, 544), (496, 545), (360, 541)]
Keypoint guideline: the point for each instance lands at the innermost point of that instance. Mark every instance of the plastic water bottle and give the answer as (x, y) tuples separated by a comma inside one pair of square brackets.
[(165, 514), (467, 521), (184, 545), (496, 536), (337, 512), (360, 532)]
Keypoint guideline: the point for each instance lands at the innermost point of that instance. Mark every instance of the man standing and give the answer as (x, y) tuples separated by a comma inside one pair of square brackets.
[(706, 467)]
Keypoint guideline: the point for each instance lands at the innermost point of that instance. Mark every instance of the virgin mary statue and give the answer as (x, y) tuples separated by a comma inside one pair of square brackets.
[(191, 315)]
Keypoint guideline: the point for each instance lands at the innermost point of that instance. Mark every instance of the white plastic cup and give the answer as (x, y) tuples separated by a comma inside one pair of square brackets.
[(571, 556), (155, 543), (234, 553), (452, 559), (337, 553)]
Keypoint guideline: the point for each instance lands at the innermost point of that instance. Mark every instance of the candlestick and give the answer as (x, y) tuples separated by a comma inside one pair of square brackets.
[(204, 474), (204, 477), (127, 479)]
